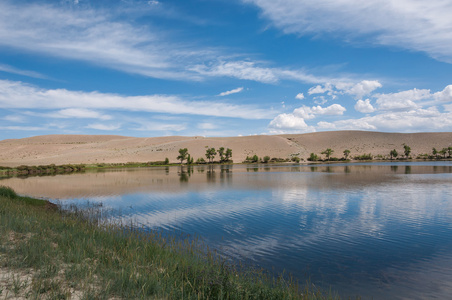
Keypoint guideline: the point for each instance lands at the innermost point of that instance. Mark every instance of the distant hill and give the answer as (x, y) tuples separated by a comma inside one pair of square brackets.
[(65, 149)]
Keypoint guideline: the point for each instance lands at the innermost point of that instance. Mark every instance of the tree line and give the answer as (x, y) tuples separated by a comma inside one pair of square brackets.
[(224, 154)]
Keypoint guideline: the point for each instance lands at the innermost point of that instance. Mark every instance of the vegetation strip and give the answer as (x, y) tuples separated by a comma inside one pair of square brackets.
[(46, 253)]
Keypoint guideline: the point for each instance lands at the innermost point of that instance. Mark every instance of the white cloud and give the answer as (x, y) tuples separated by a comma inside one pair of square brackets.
[(360, 89), (445, 95), (13, 70), (288, 121), (79, 103), (299, 96), (320, 89), (79, 113), (405, 100), (411, 24), (96, 37), (104, 127), (310, 112), (207, 126), (364, 106), (14, 118), (239, 69), (234, 91)]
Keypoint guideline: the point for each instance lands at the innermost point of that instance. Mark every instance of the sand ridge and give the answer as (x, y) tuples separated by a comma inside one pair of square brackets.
[(74, 149)]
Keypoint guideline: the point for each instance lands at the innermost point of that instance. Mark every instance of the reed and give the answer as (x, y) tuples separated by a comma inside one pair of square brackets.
[(67, 254)]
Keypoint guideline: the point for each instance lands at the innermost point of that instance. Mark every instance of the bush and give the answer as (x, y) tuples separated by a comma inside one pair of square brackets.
[(313, 157), (266, 159), (296, 159)]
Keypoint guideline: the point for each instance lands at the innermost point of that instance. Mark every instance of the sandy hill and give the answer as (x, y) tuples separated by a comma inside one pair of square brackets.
[(64, 149)]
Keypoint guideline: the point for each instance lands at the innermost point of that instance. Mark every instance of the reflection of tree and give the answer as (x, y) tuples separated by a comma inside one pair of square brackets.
[(407, 169), (347, 169), (314, 169), (394, 168), (185, 173), (210, 174), (225, 174), (166, 170)]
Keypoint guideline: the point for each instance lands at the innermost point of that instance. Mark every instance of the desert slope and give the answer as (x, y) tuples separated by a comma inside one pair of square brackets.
[(64, 149)]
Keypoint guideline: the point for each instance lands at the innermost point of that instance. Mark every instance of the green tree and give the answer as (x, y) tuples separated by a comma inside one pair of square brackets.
[(228, 154), (166, 161), (443, 152), (435, 152), (393, 154), (406, 150), (255, 158), (210, 154), (221, 153), (313, 157), (183, 153), (328, 153), (449, 151), (346, 153), (266, 159), (189, 159)]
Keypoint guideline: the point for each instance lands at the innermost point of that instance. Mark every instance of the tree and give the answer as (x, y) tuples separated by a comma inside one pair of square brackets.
[(221, 153), (189, 159), (313, 157), (266, 159), (435, 152), (255, 158), (346, 153), (449, 151), (210, 154), (328, 153), (228, 154), (182, 155), (406, 150), (393, 153), (443, 152), (166, 161)]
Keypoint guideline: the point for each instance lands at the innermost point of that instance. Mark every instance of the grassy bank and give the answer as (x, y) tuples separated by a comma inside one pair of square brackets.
[(49, 254)]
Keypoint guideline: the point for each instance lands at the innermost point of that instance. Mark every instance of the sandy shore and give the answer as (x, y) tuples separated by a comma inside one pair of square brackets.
[(74, 149)]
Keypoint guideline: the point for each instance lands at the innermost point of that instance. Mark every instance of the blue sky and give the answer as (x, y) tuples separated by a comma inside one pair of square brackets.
[(224, 68)]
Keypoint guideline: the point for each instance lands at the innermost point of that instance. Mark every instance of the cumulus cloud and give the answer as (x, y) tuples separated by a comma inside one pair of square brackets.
[(234, 91), (79, 104), (295, 122), (288, 121), (405, 100), (299, 96), (307, 113), (410, 24), (405, 111), (364, 106), (360, 89)]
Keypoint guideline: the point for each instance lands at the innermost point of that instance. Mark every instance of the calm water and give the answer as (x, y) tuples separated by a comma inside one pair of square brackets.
[(376, 230)]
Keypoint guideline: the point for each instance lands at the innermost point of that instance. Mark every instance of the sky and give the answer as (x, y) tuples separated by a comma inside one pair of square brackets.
[(149, 68)]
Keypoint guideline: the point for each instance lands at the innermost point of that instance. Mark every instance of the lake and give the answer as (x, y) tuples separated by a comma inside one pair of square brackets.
[(381, 230)]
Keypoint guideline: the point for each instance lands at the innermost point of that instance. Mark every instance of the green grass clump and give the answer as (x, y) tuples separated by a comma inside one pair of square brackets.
[(67, 254)]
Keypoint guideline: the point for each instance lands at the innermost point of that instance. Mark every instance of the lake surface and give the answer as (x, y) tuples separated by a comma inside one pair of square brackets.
[(381, 230)]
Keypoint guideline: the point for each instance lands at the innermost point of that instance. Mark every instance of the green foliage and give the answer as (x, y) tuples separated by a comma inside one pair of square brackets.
[(327, 153), (7, 192), (210, 154), (346, 153), (364, 157), (166, 161), (200, 161), (443, 152), (295, 159), (313, 157), (228, 154), (393, 154), (266, 159), (183, 153), (221, 153), (406, 150)]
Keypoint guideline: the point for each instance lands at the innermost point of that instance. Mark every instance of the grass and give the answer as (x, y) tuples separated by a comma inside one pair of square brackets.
[(64, 255)]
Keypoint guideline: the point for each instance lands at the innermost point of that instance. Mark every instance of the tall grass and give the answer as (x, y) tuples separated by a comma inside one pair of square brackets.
[(71, 255)]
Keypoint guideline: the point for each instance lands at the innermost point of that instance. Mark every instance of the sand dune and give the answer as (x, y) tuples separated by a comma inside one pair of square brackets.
[(64, 149)]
